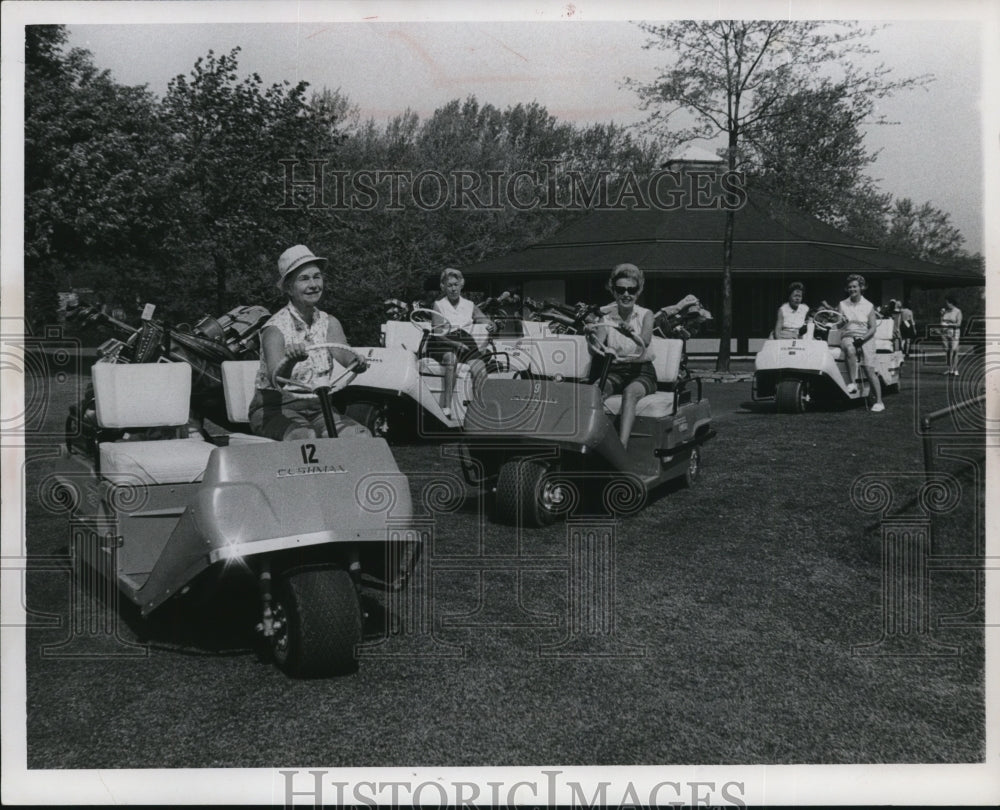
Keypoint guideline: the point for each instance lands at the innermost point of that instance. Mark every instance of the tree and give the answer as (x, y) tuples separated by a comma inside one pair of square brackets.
[(816, 160), (227, 137), (91, 147), (392, 250), (923, 232), (734, 79)]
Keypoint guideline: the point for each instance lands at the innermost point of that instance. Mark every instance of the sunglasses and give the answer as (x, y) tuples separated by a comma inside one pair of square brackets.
[(619, 290)]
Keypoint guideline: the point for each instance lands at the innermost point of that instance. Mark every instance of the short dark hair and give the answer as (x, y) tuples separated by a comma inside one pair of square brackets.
[(796, 285)]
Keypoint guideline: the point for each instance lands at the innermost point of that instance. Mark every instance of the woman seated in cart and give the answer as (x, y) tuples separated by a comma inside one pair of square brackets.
[(458, 346), (857, 337), (792, 315), (632, 374), (290, 413)]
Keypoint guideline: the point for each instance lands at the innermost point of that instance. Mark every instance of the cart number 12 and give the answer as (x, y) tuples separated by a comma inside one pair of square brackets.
[(308, 454)]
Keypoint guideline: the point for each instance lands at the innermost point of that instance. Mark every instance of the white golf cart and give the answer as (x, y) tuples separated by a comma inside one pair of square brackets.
[(163, 514), (808, 372)]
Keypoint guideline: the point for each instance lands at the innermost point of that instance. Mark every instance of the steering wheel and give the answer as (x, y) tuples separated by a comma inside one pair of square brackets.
[(602, 349), (828, 318), (341, 381), (430, 321)]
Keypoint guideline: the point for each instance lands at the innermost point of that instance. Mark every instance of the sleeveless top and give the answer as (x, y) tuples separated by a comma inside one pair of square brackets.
[(793, 318), (459, 316), (950, 319), (856, 314), (316, 369), (628, 350)]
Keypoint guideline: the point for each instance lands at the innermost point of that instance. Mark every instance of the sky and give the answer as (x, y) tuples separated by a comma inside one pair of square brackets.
[(575, 68)]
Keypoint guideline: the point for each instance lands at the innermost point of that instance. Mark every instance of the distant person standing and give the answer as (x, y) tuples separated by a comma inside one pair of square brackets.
[(791, 320), (907, 328), (951, 330)]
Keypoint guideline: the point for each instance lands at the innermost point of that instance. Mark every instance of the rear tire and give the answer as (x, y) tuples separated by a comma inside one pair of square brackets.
[(524, 488), (320, 623), (791, 396)]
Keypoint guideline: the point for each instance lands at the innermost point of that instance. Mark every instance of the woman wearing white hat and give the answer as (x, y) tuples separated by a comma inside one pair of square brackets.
[(282, 413)]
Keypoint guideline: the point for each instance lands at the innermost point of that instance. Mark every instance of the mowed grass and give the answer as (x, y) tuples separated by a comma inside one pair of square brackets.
[(737, 611)]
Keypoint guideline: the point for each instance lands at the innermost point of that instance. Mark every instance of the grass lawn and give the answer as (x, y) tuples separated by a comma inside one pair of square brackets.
[(737, 611)]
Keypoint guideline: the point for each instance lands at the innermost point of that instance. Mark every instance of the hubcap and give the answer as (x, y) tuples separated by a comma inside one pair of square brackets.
[(553, 496), (279, 640)]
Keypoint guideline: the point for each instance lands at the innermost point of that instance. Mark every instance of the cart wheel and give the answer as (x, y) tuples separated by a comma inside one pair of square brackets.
[(373, 415), (319, 620), (791, 396), (524, 487), (693, 470)]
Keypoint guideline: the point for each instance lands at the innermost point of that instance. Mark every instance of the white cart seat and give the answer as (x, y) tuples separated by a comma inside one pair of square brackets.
[(172, 461), (141, 395), (667, 355), (430, 367), (652, 405), (239, 383)]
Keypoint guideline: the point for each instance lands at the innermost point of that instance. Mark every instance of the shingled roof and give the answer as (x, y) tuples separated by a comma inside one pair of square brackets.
[(768, 239)]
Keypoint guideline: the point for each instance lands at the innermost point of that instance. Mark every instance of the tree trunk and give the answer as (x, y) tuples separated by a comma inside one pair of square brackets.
[(726, 330)]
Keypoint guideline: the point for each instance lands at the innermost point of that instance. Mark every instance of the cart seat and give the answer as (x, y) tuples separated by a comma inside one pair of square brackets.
[(147, 395), (430, 367), (667, 355), (652, 405), (239, 382), (170, 461), (883, 338)]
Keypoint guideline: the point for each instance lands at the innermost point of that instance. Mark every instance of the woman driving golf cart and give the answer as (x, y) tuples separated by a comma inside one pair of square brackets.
[(295, 347), (631, 374), (857, 337), (458, 346), (792, 315)]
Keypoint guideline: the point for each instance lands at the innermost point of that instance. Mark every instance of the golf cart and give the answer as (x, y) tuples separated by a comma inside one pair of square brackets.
[(401, 388), (811, 370), (536, 440), (167, 516)]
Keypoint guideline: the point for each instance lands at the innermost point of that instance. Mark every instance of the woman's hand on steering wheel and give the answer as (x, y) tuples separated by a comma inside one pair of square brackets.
[(352, 370), (603, 349)]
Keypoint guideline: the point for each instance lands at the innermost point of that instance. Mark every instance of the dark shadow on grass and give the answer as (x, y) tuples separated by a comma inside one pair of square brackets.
[(761, 406)]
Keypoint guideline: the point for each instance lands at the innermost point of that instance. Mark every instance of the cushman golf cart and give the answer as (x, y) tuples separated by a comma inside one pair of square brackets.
[(164, 514), (808, 372), (538, 440), (400, 391)]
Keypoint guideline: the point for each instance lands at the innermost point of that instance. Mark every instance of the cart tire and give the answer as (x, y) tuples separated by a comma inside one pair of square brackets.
[(790, 396), (321, 623), (376, 416), (692, 472), (523, 489)]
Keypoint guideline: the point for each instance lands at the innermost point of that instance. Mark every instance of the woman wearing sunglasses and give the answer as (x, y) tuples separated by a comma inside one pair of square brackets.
[(632, 374)]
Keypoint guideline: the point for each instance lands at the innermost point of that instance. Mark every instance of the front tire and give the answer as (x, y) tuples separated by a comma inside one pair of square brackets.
[(373, 415), (320, 623), (791, 396), (525, 488)]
